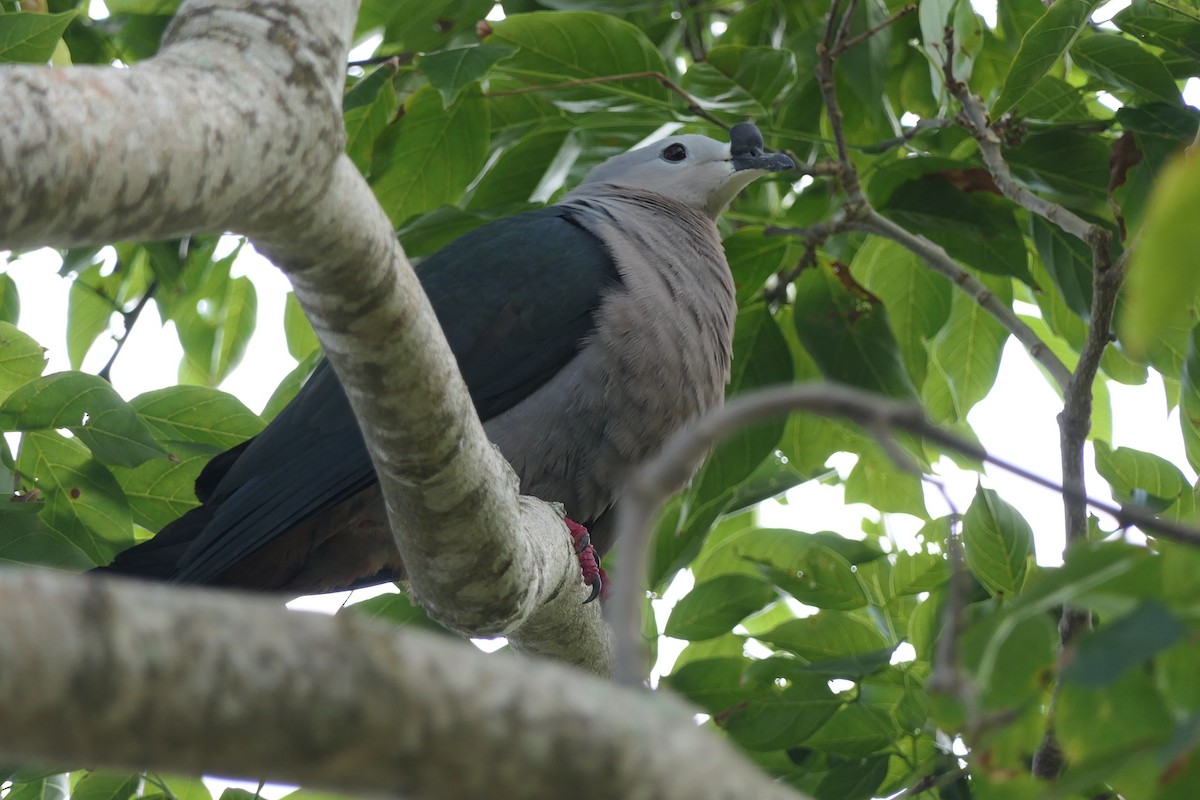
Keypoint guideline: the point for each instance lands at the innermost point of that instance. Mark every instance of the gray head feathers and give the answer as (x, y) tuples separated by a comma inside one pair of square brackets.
[(692, 169)]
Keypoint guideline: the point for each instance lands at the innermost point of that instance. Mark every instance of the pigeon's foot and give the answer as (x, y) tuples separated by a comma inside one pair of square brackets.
[(589, 563)]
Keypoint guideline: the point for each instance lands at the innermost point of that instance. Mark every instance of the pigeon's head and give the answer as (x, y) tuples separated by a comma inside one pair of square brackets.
[(693, 169)]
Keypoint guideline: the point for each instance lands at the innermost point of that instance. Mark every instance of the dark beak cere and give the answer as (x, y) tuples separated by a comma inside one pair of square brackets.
[(746, 151)]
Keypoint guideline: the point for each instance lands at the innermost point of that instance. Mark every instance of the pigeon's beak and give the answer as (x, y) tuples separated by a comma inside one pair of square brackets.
[(746, 151)]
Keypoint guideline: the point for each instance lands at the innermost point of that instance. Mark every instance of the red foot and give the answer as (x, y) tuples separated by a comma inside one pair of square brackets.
[(589, 563)]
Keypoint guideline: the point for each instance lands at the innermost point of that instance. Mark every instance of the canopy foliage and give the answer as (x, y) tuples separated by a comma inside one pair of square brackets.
[(792, 635)]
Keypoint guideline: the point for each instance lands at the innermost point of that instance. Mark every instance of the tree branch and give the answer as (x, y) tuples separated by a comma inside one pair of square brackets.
[(865, 218), (143, 676), (478, 561), (858, 212), (657, 479), (1075, 420), (259, 151), (129, 319)]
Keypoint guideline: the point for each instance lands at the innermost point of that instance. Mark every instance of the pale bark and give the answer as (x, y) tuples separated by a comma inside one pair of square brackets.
[(122, 674), (236, 125)]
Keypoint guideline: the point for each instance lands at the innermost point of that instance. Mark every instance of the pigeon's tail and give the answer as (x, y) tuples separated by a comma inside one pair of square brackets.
[(159, 558)]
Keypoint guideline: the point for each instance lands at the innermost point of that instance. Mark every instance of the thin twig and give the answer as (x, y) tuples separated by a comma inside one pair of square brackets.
[(400, 59), (859, 214), (693, 105), (848, 175), (854, 41), (974, 120), (948, 677), (129, 319), (934, 123), (866, 218), (657, 479), (932, 781), (693, 31), (814, 236)]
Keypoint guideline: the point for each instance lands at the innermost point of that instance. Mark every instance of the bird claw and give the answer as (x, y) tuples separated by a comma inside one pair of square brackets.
[(589, 563)]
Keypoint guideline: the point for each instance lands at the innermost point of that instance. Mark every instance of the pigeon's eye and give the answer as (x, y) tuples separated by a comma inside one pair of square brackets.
[(674, 152)]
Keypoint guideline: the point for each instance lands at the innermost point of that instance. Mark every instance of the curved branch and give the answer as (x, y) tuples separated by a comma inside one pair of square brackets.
[(864, 217), (239, 127), (143, 676), (940, 262), (77, 169), (658, 478), (478, 560)]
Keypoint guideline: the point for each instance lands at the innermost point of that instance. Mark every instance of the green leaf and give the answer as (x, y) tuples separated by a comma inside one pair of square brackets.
[(1065, 163), (763, 73), (438, 151), (976, 228), (1106, 721), (549, 51), (89, 308), (1176, 33), (28, 541), (959, 17), (753, 258), (101, 785), (367, 111), (1139, 478), (1053, 100), (1160, 120), (240, 314), (997, 542), (917, 299), (1010, 657), (289, 387), (714, 607), (50, 787), (511, 180), (143, 7), (827, 636), (1068, 260), (744, 549), (890, 488), (83, 502), (301, 340), (87, 406), (846, 332), (396, 608), (919, 572), (817, 576), (451, 71), (10, 300), (1159, 293), (1041, 47), (31, 38), (714, 684), (1189, 400), (1103, 655), (197, 414), (856, 731), (21, 359), (748, 79), (784, 707), (420, 27), (1125, 64), (161, 491), (966, 353), (178, 788), (368, 89), (854, 780)]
